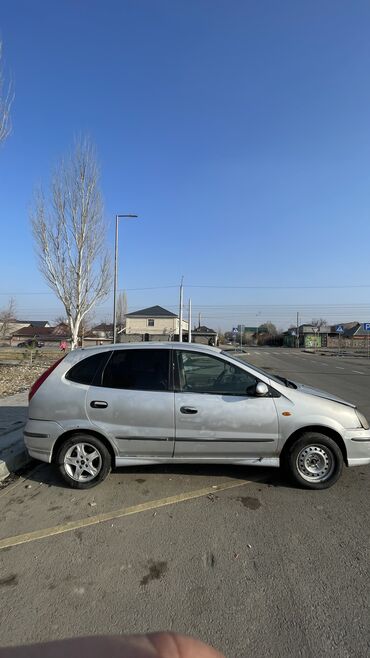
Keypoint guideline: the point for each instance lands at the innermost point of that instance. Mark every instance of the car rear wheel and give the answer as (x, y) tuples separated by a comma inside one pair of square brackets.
[(84, 461), (315, 461)]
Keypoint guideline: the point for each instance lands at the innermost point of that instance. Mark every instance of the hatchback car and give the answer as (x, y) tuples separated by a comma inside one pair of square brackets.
[(154, 403)]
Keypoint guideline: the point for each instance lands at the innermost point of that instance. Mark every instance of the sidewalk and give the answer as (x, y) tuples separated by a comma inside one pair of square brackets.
[(13, 415)]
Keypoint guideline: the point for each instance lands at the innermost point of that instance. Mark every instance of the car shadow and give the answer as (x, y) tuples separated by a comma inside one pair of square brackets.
[(48, 474), (12, 417)]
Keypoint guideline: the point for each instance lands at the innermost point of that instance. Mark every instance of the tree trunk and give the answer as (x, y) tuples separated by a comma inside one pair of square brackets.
[(74, 344), (74, 324)]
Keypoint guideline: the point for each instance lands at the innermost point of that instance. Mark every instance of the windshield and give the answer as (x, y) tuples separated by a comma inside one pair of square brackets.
[(274, 378)]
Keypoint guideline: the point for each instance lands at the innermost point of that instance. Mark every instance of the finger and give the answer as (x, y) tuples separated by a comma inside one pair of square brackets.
[(172, 645)]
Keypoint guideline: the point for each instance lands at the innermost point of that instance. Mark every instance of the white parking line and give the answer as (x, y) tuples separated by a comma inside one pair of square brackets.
[(339, 367), (358, 372)]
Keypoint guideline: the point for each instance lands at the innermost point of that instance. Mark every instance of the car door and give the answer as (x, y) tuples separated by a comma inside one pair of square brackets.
[(133, 403), (217, 413)]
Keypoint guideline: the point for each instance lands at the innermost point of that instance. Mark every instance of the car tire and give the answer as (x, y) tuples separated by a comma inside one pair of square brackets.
[(84, 461), (314, 461)]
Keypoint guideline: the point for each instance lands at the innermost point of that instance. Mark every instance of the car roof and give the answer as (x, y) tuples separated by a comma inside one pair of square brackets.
[(150, 344)]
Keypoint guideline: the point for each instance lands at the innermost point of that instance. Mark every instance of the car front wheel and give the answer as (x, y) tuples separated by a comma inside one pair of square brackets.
[(315, 461), (84, 461)]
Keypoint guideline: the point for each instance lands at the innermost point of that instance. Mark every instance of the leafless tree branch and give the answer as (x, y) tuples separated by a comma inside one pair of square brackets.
[(6, 100), (7, 316)]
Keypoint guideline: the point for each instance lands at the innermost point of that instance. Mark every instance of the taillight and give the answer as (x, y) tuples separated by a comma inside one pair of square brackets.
[(42, 378)]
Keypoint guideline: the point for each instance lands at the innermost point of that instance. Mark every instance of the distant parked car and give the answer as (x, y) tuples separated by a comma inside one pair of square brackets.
[(32, 342), (158, 403)]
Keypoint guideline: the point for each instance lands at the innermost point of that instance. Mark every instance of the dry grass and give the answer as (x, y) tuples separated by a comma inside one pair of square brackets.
[(20, 377)]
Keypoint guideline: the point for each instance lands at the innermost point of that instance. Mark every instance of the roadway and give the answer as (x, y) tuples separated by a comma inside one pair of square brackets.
[(235, 556), (347, 377)]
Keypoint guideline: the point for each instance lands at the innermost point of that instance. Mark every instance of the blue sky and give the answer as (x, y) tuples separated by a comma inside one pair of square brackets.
[(238, 130)]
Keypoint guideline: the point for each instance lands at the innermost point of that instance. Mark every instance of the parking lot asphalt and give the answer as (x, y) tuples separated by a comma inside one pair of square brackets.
[(235, 556)]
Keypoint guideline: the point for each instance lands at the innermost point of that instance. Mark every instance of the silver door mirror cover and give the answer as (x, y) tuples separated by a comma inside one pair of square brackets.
[(261, 389)]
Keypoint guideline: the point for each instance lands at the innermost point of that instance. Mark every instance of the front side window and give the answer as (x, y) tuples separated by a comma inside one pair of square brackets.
[(140, 370), (201, 373), (150, 323)]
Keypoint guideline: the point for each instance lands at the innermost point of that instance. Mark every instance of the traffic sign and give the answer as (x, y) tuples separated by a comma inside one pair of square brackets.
[(235, 331), (366, 326), (339, 329)]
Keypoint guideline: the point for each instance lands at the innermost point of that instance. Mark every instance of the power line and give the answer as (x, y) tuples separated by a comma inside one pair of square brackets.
[(281, 287), (216, 287), (119, 289)]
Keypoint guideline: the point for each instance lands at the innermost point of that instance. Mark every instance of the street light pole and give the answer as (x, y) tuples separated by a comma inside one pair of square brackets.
[(116, 273), (181, 308), (189, 322)]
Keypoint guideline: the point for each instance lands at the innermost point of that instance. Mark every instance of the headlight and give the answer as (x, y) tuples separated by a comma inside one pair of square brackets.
[(362, 419)]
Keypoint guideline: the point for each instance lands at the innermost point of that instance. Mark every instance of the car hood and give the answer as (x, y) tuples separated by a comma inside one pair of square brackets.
[(310, 390)]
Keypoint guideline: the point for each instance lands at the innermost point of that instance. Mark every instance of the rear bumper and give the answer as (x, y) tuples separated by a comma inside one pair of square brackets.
[(40, 437), (358, 447)]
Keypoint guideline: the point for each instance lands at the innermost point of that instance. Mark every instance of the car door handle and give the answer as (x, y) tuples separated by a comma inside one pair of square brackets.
[(188, 410), (98, 404)]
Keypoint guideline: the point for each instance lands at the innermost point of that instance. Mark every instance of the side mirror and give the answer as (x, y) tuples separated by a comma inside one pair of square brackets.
[(261, 390)]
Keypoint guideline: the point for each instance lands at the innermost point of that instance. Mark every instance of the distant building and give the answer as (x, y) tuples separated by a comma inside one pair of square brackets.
[(102, 334), (34, 323), (249, 335), (204, 335), (353, 335), (12, 326), (152, 323), (48, 335)]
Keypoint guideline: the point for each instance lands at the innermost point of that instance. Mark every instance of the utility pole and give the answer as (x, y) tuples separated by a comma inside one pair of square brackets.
[(180, 309), (189, 321), (199, 317), (297, 329)]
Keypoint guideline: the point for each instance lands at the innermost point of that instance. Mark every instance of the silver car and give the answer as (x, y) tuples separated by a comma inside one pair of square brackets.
[(153, 403)]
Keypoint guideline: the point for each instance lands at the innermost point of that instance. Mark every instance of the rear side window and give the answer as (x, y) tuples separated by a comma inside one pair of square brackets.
[(140, 370), (86, 370)]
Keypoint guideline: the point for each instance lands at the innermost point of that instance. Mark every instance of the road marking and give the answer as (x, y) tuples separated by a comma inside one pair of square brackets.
[(324, 364), (358, 372), (339, 367), (28, 537)]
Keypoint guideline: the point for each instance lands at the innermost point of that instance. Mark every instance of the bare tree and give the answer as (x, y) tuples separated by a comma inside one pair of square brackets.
[(267, 328), (7, 316), (319, 322), (69, 232), (6, 100), (121, 310)]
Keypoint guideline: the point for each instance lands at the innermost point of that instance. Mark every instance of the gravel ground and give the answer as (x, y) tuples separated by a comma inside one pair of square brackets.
[(18, 378)]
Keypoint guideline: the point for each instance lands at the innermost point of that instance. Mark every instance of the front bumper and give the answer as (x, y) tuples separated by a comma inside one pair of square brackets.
[(357, 443), (40, 437)]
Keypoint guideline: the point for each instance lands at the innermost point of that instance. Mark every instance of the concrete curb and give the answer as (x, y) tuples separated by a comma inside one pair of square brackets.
[(13, 453)]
